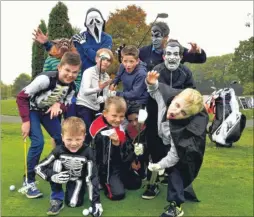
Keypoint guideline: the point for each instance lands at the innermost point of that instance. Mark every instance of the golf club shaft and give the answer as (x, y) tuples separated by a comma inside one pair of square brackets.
[(25, 158), (153, 177)]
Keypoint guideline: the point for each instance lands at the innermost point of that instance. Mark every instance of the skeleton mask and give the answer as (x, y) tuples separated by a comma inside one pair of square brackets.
[(157, 37), (172, 57), (95, 24)]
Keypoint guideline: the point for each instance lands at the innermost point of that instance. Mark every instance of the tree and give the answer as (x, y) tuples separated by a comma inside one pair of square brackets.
[(38, 53), (20, 82), (6, 91), (127, 26), (242, 64), (58, 25)]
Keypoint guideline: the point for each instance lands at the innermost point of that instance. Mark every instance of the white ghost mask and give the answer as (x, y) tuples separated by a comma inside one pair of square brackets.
[(94, 23)]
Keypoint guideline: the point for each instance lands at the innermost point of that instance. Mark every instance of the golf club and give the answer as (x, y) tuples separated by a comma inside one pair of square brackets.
[(161, 15)]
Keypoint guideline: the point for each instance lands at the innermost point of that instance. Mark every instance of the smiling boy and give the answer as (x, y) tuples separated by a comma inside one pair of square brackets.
[(71, 163), (40, 103)]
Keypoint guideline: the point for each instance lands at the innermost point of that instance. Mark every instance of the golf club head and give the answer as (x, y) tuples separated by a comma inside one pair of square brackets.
[(162, 15), (142, 115)]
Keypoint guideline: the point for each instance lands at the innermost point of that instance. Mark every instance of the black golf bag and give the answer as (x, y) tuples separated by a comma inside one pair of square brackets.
[(228, 123)]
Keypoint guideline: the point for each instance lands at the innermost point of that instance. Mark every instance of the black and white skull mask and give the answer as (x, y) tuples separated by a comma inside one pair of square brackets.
[(95, 24)]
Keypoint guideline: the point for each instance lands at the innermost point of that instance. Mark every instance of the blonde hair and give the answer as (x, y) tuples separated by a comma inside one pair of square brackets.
[(105, 50), (117, 101), (194, 101), (73, 126)]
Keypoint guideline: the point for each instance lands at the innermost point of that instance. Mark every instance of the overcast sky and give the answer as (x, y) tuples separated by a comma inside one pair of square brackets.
[(216, 26)]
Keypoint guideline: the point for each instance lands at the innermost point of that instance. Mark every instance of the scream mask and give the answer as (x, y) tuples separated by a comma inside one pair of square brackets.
[(95, 23)]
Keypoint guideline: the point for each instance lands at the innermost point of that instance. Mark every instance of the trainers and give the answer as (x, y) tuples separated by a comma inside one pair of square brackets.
[(56, 207), (33, 191), (151, 192), (172, 210)]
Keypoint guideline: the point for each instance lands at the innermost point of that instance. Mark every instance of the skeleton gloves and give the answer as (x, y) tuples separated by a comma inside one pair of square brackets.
[(61, 177), (79, 38)]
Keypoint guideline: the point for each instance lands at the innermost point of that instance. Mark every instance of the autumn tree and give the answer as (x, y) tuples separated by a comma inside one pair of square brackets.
[(127, 26), (59, 25), (38, 53)]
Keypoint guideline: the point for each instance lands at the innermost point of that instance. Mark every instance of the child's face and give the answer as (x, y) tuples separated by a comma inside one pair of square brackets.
[(133, 120), (105, 63), (177, 110), (113, 117), (68, 73), (129, 63), (73, 142)]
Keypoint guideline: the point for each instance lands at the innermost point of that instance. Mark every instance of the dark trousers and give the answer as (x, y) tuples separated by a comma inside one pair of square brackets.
[(132, 180), (175, 186), (74, 193), (71, 109), (52, 126), (87, 115), (113, 185)]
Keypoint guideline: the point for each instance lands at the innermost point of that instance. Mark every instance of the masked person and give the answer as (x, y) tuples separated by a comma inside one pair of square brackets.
[(175, 75), (87, 43)]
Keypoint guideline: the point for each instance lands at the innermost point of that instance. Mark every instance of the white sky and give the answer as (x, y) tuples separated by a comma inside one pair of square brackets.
[(216, 26)]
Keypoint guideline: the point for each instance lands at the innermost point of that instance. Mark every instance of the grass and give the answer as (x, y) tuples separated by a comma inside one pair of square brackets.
[(224, 184), (9, 107)]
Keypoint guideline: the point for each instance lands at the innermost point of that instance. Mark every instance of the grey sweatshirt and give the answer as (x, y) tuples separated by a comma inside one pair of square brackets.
[(89, 89), (163, 127)]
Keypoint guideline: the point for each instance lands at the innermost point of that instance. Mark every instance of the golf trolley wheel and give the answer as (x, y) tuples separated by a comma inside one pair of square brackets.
[(229, 145)]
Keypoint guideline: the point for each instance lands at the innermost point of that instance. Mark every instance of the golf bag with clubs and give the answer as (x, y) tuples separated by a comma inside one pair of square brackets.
[(228, 123)]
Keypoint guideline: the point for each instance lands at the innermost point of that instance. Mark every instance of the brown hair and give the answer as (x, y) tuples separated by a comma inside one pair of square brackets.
[(118, 102), (130, 50), (105, 50), (73, 126), (70, 58)]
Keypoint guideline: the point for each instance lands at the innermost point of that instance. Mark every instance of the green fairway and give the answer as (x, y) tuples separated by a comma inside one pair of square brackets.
[(9, 107), (224, 184)]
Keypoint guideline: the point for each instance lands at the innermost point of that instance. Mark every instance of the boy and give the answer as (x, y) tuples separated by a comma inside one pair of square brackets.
[(73, 164), (133, 150), (95, 80), (132, 73), (40, 102), (108, 137), (185, 131), (173, 74)]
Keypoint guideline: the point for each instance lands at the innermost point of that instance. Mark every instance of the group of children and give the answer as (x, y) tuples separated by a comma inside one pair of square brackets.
[(104, 146)]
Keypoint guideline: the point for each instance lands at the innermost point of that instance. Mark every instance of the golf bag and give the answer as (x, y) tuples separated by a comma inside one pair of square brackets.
[(228, 123)]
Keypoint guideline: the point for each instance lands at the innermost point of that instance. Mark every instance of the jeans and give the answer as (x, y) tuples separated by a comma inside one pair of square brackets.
[(52, 126)]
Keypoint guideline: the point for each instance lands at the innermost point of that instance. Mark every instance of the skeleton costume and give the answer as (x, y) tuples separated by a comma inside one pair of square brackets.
[(33, 101), (82, 172)]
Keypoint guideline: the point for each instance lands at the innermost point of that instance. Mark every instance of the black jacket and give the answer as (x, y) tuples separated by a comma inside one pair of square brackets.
[(106, 154), (189, 137)]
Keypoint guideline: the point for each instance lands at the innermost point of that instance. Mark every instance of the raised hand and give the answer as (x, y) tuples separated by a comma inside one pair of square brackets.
[(194, 48), (81, 39), (113, 87), (39, 36), (152, 77), (115, 139)]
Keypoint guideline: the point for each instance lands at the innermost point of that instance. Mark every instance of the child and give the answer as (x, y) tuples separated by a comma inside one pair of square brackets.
[(40, 102), (135, 145), (107, 146), (186, 130), (95, 80), (73, 164), (132, 73)]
